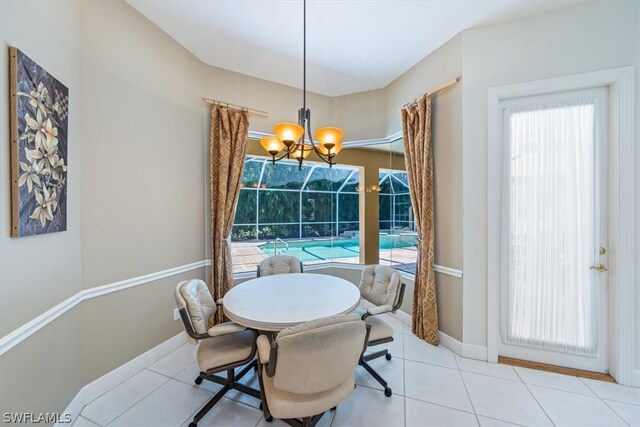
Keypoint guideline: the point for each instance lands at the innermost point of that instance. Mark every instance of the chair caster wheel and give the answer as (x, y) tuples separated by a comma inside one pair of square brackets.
[(192, 424), (387, 392), (387, 356), (269, 420), (199, 380)]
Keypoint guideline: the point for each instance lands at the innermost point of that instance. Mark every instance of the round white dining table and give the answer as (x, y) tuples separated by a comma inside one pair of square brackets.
[(272, 303)]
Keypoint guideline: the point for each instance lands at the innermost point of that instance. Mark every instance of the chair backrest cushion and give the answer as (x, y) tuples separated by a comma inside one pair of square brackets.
[(279, 264), (194, 296), (320, 355), (379, 284)]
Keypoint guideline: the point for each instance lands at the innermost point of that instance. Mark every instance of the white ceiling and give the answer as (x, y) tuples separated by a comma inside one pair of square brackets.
[(352, 45)]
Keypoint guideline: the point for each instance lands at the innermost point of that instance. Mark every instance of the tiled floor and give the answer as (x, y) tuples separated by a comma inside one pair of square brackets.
[(431, 385)]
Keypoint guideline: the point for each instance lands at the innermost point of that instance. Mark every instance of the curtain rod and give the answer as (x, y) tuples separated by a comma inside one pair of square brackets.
[(236, 107), (435, 90)]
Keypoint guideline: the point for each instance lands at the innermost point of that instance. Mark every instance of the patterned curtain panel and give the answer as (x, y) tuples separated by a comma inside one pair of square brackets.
[(418, 151), (227, 149)]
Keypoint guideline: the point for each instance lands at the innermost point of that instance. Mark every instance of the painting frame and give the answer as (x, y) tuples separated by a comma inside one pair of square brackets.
[(39, 122)]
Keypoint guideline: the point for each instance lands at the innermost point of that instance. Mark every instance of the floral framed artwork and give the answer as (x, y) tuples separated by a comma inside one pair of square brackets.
[(39, 115)]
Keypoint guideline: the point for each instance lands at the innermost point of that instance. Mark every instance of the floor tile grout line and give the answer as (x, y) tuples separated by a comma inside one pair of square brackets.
[(145, 397), (534, 398), (602, 398), (615, 412), (563, 390), (466, 390), (91, 421), (619, 401), (377, 389), (440, 405), (431, 364), (504, 421), (404, 383), (134, 404)]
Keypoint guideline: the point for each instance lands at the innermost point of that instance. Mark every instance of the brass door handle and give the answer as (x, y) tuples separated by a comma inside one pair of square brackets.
[(601, 268)]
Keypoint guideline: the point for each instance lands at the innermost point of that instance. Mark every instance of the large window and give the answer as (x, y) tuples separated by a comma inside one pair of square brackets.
[(313, 214), (397, 226), (314, 209)]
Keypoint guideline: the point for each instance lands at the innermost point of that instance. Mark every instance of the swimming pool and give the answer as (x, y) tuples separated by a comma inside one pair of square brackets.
[(324, 249)]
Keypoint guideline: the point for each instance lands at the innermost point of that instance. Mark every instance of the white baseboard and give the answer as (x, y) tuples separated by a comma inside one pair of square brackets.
[(451, 343), (101, 385), (470, 351), (403, 317)]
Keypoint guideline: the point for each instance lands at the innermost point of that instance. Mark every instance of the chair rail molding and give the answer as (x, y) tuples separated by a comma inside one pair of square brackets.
[(620, 83), (18, 335)]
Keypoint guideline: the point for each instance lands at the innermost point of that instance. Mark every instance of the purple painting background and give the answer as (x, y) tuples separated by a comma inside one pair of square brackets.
[(30, 75)]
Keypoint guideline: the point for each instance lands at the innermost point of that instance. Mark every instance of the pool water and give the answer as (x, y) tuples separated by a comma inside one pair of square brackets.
[(320, 250)]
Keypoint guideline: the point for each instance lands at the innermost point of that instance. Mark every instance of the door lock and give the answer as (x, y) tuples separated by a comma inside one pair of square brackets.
[(602, 251), (601, 268)]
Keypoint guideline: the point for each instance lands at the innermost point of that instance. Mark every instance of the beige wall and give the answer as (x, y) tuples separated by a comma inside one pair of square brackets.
[(442, 65), (137, 174), (119, 326), (46, 266), (569, 41), (44, 372), (360, 115), (142, 192)]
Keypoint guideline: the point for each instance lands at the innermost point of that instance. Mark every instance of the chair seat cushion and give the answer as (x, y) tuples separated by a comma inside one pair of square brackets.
[(224, 350), (379, 328), (283, 404)]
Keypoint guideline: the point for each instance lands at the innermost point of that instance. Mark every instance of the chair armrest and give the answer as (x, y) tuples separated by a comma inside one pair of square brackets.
[(264, 349), (387, 308), (224, 329)]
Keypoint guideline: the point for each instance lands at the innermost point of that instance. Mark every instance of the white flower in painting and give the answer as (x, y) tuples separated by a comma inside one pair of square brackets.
[(40, 98), (44, 129), (56, 162), (46, 204), (33, 155), (30, 174)]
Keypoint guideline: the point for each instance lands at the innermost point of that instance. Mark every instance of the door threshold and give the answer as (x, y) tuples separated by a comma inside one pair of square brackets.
[(556, 369)]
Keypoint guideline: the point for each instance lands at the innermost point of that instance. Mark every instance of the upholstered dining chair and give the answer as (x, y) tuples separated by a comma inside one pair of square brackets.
[(308, 369), (279, 264), (382, 291), (221, 348)]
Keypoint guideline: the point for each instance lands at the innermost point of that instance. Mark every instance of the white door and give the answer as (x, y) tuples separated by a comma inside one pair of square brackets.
[(553, 278)]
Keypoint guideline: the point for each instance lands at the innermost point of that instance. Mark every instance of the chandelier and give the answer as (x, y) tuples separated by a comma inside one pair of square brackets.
[(289, 140)]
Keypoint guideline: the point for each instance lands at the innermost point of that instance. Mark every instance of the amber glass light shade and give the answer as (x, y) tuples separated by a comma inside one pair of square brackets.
[(335, 149), (271, 144), (302, 150), (288, 132), (329, 140), (329, 135)]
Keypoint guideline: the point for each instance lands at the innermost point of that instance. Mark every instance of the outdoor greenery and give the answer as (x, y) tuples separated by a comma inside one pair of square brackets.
[(281, 201)]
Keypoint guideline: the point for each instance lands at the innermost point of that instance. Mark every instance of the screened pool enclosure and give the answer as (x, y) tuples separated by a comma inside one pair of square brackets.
[(315, 210)]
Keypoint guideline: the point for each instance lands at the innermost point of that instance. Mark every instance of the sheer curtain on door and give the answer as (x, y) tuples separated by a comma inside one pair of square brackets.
[(551, 226)]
